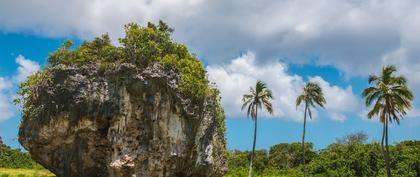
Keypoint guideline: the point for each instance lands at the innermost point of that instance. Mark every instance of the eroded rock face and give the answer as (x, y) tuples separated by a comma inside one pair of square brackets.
[(122, 122)]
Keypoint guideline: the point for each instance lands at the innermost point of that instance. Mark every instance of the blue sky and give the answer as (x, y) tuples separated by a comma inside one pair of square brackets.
[(284, 43)]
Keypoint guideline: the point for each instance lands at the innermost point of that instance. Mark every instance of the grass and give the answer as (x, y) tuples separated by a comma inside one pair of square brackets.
[(7, 172)]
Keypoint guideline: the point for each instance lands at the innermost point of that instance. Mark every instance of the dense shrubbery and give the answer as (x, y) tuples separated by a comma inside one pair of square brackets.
[(141, 46), (281, 160), (344, 158), (15, 158)]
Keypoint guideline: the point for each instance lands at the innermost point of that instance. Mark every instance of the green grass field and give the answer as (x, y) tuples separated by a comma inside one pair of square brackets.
[(7, 172)]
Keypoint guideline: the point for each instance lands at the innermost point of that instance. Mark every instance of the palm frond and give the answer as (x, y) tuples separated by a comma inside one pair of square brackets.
[(256, 98), (390, 93), (372, 78), (299, 100)]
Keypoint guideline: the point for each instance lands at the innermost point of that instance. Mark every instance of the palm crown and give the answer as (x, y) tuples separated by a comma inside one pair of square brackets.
[(312, 94), (390, 95), (256, 98)]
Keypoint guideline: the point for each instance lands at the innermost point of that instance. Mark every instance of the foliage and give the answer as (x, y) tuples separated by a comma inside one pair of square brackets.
[(347, 159), (405, 159), (98, 50), (242, 159), (15, 158), (214, 93), (312, 95), (142, 46), (270, 163), (256, 98), (353, 138), (390, 95), (28, 91), (284, 155)]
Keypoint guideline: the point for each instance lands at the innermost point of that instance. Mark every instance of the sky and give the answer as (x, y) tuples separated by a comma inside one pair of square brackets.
[(286, 43)]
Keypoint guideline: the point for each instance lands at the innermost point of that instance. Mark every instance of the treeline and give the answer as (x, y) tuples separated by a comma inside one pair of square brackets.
[(15, 158), (349, 156)]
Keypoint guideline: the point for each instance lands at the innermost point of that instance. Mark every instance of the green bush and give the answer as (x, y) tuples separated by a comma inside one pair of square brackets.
[(141, 46), (15, 158), (345, 158)]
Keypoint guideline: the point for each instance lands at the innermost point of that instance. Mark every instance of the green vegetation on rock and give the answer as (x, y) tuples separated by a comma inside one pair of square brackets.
[(141, 46)]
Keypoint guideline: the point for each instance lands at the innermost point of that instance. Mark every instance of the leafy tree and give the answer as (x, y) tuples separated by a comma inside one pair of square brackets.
[(286, 156), (254, 100), (346, 160), (15, 158), (405, 160), (241, 159), (354, 138), (391, 100), (336, 160), (312, 94)]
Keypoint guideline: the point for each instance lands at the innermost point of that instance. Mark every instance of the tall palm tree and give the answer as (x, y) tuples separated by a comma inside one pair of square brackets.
[(391, 99), (312, 95), (254, 100)]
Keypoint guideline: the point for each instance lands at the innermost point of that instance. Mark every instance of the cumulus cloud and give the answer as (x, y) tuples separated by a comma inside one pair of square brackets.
[(339, 100), (235, 78), (355, 36), (6, 108), (26, 68), (9, 84)]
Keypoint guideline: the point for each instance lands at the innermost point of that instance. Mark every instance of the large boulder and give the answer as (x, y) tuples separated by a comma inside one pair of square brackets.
[(125, 121)]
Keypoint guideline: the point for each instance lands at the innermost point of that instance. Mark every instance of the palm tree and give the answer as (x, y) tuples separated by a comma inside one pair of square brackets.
[(392, 99), (312, 94), (254, 100)]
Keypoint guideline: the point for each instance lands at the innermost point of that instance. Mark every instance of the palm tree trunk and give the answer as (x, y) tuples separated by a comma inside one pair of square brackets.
[(253, 145), (382, 141), (384, 136), (303, 141), (388, 168)]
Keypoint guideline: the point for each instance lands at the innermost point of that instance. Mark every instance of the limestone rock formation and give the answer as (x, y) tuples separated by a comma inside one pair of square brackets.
[(122, 122)]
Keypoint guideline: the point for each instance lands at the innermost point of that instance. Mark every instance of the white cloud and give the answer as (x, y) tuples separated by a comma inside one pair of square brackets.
[(235, 78), (26, 68), (4, 83), (355, 36), (8, 86), (6, 108), (291, 23), (339, 100)]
